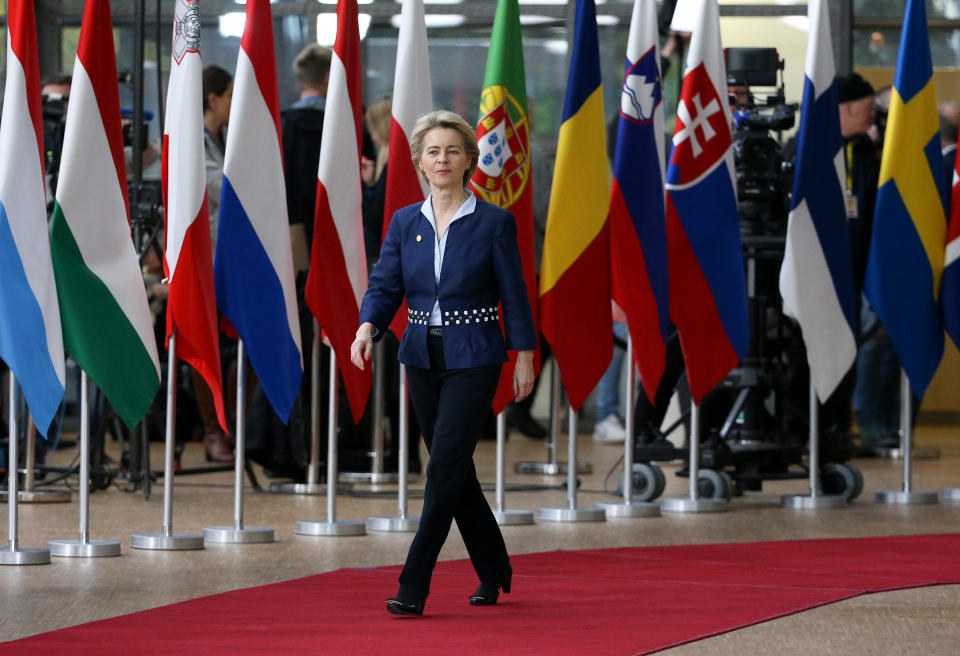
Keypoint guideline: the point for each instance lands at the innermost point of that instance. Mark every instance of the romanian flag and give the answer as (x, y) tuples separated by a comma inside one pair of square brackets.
[(188, 255), (708, 293), (575, 313), (30, 339), (907, 246), (503, 171), (638, 229), (338, 262), (107, 327)]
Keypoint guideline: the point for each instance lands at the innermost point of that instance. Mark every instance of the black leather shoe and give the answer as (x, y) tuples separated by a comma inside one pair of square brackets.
[(398, 607), (523, 422), (487, 594)]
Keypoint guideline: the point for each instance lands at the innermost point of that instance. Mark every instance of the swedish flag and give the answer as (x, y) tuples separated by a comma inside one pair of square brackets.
[(909, 227)]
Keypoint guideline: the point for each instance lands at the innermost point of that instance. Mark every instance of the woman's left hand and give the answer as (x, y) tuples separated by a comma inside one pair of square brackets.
[(523, 375)]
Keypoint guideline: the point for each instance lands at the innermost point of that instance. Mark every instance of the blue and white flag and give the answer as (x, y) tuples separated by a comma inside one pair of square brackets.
[(816, 279), (253, 265), (31, 342)]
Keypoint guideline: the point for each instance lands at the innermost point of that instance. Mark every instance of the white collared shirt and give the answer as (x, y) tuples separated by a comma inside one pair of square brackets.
[(440, 245)]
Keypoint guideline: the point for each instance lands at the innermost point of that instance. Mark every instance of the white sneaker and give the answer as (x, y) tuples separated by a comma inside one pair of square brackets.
[(609, 431)]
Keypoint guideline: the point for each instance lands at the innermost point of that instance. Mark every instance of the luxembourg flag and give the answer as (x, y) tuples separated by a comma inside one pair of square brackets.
[(638, 232), (708, 301), (253, 265), (30, 339), (338, 263), (412, 98), (188, 258), (816, 279)]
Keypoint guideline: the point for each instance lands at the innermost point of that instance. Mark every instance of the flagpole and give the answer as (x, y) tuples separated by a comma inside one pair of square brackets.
[(907, 495), (400, 523), (503, 516), (693, 502), (238, 533), (331, 526), (815, 499), (628, 507), (13, 554), (83, 546), (570, 512), (28, 494), (166, 539), (552, 467)]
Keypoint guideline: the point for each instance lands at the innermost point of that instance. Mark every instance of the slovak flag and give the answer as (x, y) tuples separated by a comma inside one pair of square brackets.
[(338, 263), (188, 255), (638, 233), (253, 265), (412, 98), (708, 301), (31, 342)]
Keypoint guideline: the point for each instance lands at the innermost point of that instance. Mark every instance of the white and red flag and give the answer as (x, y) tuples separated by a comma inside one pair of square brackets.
[(338, 264), (188, 257), (412, 98)]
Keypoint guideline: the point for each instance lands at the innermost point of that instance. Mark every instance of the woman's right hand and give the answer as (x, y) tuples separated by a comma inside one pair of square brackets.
[(362, 346)]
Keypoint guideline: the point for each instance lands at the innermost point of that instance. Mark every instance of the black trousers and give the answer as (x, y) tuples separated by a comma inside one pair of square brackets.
[(450, 406)]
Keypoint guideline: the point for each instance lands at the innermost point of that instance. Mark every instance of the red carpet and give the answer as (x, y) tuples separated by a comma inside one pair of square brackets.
[(628, 601)]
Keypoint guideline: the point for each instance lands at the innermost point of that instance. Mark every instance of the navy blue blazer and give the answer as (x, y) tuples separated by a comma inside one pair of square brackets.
[(481, 269)]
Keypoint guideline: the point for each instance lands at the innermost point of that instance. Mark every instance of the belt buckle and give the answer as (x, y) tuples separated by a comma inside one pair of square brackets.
[(435, 331)]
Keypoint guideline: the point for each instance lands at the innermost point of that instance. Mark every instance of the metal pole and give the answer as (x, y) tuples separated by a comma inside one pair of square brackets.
[(238, 533), (570, 512), (313, 469), (815, 499), (692, 502), (399, 523), (628, 507), (376, 476), (28, 494), (572, 457), (13, 554), (906, 495), (166, 539), (501, 435), (331, 526)]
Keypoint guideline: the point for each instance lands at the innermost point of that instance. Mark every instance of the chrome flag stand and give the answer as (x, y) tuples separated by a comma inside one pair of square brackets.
[(570, 512), (503, 516), (83, 546), (13, 554), (331, 525), (628, 507), (401, 523), (166, 539), (693, 502), (28, 494), (238, 533), (816, 499), (906, 495)]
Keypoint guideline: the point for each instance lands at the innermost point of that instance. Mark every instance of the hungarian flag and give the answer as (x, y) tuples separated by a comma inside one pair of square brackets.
[(575, 271), (503, 171), (412, 98), (30, 339), (253, 265), (338, 264), (638, 232), (188, 257), (708, 293), (107, 327)]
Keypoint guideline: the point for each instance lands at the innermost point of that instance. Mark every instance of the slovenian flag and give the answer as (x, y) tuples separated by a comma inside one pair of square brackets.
[(107, 326), (30, 339), (253, 265), (575, 312), (638, 232), (816, 278), (338, 264), (188, 256), (503, 175), (708, 301), (412, 98), (908, 242)]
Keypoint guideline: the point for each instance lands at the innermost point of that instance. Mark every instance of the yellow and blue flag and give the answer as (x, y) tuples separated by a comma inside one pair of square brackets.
[(905, 266)]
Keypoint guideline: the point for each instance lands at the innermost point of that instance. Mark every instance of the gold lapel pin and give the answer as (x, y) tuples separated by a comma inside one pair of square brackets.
[(419, 238)]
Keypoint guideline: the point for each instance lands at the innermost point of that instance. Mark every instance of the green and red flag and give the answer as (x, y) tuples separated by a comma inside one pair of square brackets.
[(503, 171)]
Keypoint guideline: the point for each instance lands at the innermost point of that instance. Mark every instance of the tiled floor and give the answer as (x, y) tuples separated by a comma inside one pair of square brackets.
[(921, 621)]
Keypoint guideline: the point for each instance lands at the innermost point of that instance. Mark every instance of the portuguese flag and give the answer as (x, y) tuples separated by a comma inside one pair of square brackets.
[(107, 327), (503, 172)]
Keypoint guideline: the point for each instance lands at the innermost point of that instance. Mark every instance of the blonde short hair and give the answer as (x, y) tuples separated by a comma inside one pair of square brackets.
[(444, 119)]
